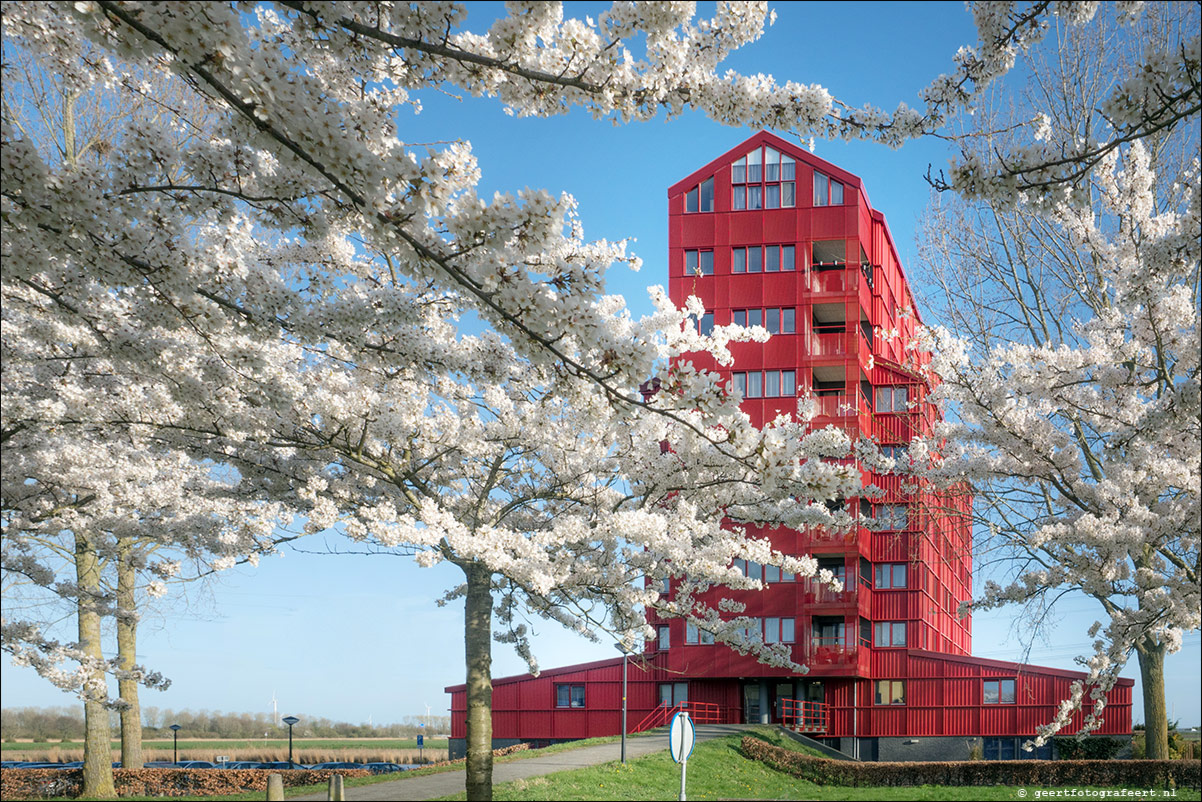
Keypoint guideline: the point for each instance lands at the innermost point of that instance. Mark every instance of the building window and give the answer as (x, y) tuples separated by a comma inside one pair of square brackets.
[(749, 568), (827, 191), (899, 454), (892, 516), (999, 692), (747, 260), (767, 258), (697, 636), (701, 197), (999, 749), (569, 696), (890, 576), (889, 634), (699, 263), (763, 179), (753, 629), (766, 384), (665, 636), (705, 326), (890, 692), (892, 399), (773, 573), (779, 630), (673, 693)]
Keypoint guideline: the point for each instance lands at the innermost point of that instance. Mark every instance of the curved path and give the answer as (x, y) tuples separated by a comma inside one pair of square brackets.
[(432, 786)]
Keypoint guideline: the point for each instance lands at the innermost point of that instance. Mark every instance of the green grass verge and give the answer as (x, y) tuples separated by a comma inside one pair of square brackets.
[(355, 782), (718, 770)]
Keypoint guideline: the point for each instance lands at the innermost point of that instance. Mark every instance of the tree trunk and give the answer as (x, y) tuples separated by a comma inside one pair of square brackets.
[(477, 615), (1151, 674), (127, 646), (97, 754)]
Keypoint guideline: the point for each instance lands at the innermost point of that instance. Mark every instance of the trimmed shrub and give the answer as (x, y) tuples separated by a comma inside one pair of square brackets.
[(1095, 748), (1126, 773), (40, 783)]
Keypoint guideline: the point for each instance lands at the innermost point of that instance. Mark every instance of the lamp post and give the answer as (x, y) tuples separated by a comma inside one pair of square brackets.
[(174, 743), (622, 647), (290, 720)]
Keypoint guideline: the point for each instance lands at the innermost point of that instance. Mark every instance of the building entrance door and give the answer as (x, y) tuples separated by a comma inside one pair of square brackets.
[(752, 703), (780, 692)]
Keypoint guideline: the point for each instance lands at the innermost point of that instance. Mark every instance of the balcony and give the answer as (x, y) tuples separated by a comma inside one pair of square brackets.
[(827, 344), (822, 536), (828, 278), (834, 406), (820, 593), (830, 653)]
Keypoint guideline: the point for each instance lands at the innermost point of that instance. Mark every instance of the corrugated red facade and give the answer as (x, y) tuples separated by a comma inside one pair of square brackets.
[(768, 234)]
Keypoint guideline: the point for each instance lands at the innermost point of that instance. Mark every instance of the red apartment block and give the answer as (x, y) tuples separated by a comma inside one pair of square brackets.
[(769, 234)]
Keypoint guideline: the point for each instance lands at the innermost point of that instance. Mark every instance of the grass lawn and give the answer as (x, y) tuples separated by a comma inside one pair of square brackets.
[(717, 770), (353, 782)]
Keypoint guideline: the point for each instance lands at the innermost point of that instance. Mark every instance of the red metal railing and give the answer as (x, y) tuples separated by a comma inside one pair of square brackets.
[(801, 716), (830, 280), (828, 343), (700, 712)]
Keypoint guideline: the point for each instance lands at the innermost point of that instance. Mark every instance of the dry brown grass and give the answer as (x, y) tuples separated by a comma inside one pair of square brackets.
[(364, 754)]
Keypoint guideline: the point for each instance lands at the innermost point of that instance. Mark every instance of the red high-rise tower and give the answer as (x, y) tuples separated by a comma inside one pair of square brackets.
[(767, 234)]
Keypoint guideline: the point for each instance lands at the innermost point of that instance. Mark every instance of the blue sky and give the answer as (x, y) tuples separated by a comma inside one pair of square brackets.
[(351, 637)]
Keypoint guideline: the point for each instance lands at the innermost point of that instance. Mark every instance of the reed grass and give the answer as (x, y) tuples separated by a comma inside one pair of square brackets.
[(305, 755)]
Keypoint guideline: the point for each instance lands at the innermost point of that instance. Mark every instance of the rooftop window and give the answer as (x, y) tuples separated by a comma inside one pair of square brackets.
[(764, 179)]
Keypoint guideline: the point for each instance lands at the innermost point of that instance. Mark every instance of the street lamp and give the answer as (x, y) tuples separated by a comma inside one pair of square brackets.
[(290, 720), (625, 650), (174, 743)]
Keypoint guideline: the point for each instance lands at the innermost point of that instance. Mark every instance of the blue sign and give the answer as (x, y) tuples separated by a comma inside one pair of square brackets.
[(420, 741)]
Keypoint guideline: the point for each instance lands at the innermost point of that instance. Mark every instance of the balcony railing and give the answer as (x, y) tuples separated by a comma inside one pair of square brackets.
[(835, 406), (828, 344), (830, 652), (821, 593), (802, 716), (832, 279)]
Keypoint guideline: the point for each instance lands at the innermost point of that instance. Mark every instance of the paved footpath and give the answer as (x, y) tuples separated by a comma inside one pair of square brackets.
[(432, 786)]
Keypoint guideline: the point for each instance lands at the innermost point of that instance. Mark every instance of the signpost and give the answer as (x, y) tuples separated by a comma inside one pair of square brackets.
[(421, 752), (681, 736)]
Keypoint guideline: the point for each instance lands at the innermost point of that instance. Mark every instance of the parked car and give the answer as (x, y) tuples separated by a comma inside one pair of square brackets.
[(281, 765), (74, 764), (241, 764), (337, 765), (385, 768), (196, 764), (158, 764)]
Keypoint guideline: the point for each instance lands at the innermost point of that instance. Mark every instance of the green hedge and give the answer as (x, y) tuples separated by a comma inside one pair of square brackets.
[(1095, 748), (41, 783), (1127, 773)]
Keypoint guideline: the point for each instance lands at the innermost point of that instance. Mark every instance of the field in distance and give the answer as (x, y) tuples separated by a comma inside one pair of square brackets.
[(245, 743), (305, 750)]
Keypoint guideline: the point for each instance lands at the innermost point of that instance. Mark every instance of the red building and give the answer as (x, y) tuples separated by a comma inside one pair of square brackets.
[(768, 234)]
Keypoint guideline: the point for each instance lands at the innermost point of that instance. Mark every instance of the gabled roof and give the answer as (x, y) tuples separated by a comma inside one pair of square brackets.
[(775, 142)]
